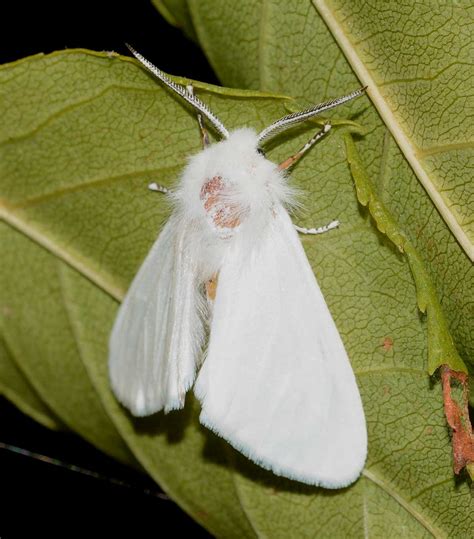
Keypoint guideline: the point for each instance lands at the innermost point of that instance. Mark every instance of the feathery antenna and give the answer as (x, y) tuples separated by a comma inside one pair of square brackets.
[(296, 117), (181, 90)]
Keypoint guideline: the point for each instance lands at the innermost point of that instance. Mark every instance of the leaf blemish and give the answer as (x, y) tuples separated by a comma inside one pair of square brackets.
[(387, 344)]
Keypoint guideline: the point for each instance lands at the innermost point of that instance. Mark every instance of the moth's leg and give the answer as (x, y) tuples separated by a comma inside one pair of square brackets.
[(311, 142), (205, 142), (204, 133), (320, 230), (158, 188)]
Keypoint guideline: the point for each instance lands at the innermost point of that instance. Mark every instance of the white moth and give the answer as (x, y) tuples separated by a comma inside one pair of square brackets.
[(275, 381)]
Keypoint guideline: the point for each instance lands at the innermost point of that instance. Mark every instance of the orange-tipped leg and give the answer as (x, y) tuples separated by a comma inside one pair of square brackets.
[(311, 142)]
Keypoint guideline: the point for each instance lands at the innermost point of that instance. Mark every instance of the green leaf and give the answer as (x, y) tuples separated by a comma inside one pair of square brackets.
[(16, 388), (36, 325), (415, 83), (74, 178), (186, 460), (422, 95), (83, 135)]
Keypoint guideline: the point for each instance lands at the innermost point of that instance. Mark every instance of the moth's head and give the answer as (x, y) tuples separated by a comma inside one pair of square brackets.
[(240, 150)]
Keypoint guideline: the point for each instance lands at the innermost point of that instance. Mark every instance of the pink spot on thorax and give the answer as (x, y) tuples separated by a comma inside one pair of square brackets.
[(224, 214)]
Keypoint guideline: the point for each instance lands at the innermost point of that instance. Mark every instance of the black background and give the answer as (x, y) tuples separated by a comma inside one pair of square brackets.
[(39, 498), (102, 25)]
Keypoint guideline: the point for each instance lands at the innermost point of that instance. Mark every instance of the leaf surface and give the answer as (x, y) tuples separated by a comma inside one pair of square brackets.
[(37, 328), (16, 388), (86, 133), (421, 85)]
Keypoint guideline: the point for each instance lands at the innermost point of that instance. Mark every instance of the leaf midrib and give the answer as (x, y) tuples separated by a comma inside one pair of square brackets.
[(409, 150), (74, 259)]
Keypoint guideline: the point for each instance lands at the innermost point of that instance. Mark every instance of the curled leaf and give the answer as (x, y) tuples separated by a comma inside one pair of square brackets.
[(441, 349)]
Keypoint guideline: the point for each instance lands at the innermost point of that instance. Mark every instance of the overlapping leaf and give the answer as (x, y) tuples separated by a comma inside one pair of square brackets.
[(83, 136), (415, 58), (16, 388), (176, 12)]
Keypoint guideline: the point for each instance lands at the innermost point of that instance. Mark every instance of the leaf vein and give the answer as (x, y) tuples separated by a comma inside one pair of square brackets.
[(390, 490), (91, 184), (72, 106), (388, 115)]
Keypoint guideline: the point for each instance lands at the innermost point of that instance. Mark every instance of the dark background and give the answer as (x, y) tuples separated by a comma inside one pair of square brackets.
[(40, 498), (102, 25)]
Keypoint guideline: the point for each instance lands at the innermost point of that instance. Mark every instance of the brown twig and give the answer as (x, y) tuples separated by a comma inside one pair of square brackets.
[(457, 416)]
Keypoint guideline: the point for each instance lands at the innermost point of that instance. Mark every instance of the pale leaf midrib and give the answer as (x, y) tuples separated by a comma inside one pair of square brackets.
[(405, 144), (71, 257)]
